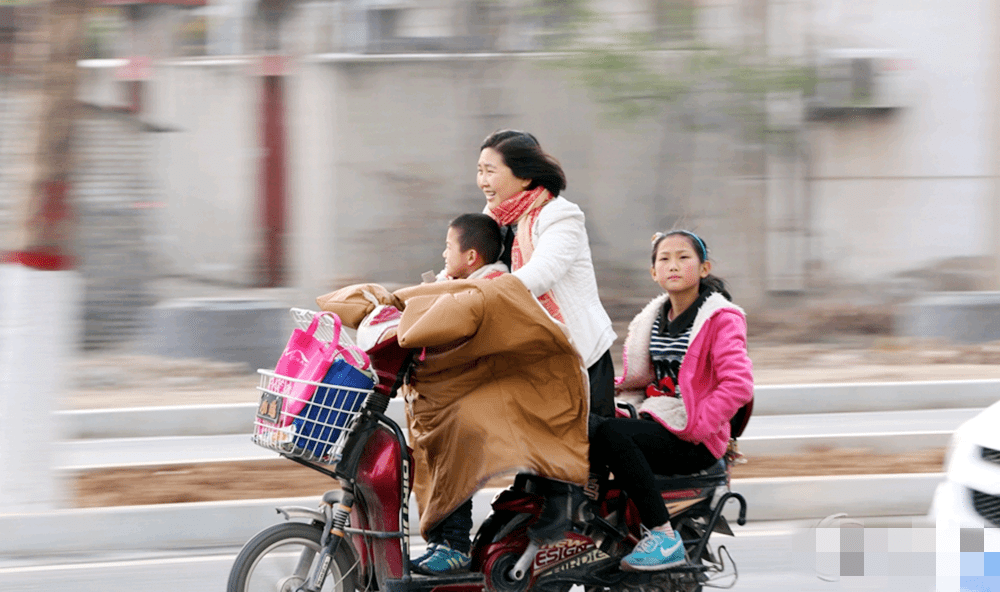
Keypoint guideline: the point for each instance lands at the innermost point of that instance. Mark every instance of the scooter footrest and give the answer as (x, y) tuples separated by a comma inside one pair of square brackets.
[(714, 476), (686, 568), (640, 578), (421, 583)]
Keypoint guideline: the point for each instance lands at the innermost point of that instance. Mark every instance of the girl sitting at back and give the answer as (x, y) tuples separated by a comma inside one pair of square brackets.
[(687, 372)]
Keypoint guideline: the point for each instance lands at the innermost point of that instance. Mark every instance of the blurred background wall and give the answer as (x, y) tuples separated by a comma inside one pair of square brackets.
[(839, 148)]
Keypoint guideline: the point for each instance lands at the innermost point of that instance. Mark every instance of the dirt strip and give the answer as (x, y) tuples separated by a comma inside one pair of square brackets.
[(283, 478)]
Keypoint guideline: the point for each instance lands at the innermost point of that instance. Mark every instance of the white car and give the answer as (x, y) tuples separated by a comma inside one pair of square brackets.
[(970, 494)]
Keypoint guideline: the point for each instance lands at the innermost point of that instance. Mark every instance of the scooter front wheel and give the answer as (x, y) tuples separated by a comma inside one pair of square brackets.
[(280, 559)]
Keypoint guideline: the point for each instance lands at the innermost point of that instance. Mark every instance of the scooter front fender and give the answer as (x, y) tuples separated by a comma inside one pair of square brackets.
[(293, 512)]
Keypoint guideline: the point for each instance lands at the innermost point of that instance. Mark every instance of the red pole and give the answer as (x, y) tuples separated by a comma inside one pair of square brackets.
[(51, 222), (8, 35), (272, 263)]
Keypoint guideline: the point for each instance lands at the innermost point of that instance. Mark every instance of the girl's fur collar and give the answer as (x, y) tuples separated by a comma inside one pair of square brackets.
[(637, 369)]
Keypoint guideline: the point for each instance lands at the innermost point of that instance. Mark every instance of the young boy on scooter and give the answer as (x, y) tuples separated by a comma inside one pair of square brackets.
[(472, 249)]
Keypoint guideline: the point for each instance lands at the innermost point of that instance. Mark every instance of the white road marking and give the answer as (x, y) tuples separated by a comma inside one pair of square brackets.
[(68, 566)]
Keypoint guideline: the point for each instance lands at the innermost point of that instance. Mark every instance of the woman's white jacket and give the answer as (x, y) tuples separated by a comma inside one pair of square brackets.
[(561, 263)]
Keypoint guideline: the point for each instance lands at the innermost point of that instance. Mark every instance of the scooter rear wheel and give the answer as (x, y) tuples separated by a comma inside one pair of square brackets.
[(497, 572), (280, 559)]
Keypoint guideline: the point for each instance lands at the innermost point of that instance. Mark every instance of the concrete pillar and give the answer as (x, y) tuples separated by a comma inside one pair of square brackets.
[(993, 99), (39, 332)]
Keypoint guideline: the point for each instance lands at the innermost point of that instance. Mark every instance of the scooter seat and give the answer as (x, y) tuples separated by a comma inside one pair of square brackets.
[(713, 476)]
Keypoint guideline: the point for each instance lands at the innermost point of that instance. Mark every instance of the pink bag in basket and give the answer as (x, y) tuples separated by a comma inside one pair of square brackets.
[(302, 347), (307, 358)]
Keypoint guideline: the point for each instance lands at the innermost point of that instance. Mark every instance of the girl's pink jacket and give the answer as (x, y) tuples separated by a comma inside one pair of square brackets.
[(715, 378)]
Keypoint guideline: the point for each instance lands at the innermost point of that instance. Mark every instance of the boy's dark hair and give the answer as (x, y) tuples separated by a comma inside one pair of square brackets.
[(526, 159), (479, 232)]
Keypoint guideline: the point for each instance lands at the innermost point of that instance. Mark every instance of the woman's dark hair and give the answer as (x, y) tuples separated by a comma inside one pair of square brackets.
[(479, 232), (710, 282), (526, 159)]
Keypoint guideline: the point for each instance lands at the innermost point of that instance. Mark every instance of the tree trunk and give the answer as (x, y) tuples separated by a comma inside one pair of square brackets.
[(43, 237)]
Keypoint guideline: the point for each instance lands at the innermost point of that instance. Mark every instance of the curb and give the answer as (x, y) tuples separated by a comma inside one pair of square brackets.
[(882, 443), (153, 422), (231, 524), (203, 420), (794, 399), (794, 498), (127, 528)]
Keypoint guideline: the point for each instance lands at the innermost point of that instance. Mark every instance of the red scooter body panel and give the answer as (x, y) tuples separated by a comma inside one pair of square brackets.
[(360, 520), (378, 483)]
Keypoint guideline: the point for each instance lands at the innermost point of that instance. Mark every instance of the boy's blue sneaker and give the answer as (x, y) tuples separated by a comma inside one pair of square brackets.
[(443, 560), (427, 553), (656, 551)]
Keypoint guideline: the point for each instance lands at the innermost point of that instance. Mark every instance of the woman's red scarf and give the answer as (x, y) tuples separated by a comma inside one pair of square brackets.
[(523, 209)]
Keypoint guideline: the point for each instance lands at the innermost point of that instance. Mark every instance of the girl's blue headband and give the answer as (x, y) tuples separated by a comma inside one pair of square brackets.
[(697, 240)]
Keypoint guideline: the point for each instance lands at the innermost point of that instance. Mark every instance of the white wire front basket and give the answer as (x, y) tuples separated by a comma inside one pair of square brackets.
[(305, 419)]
